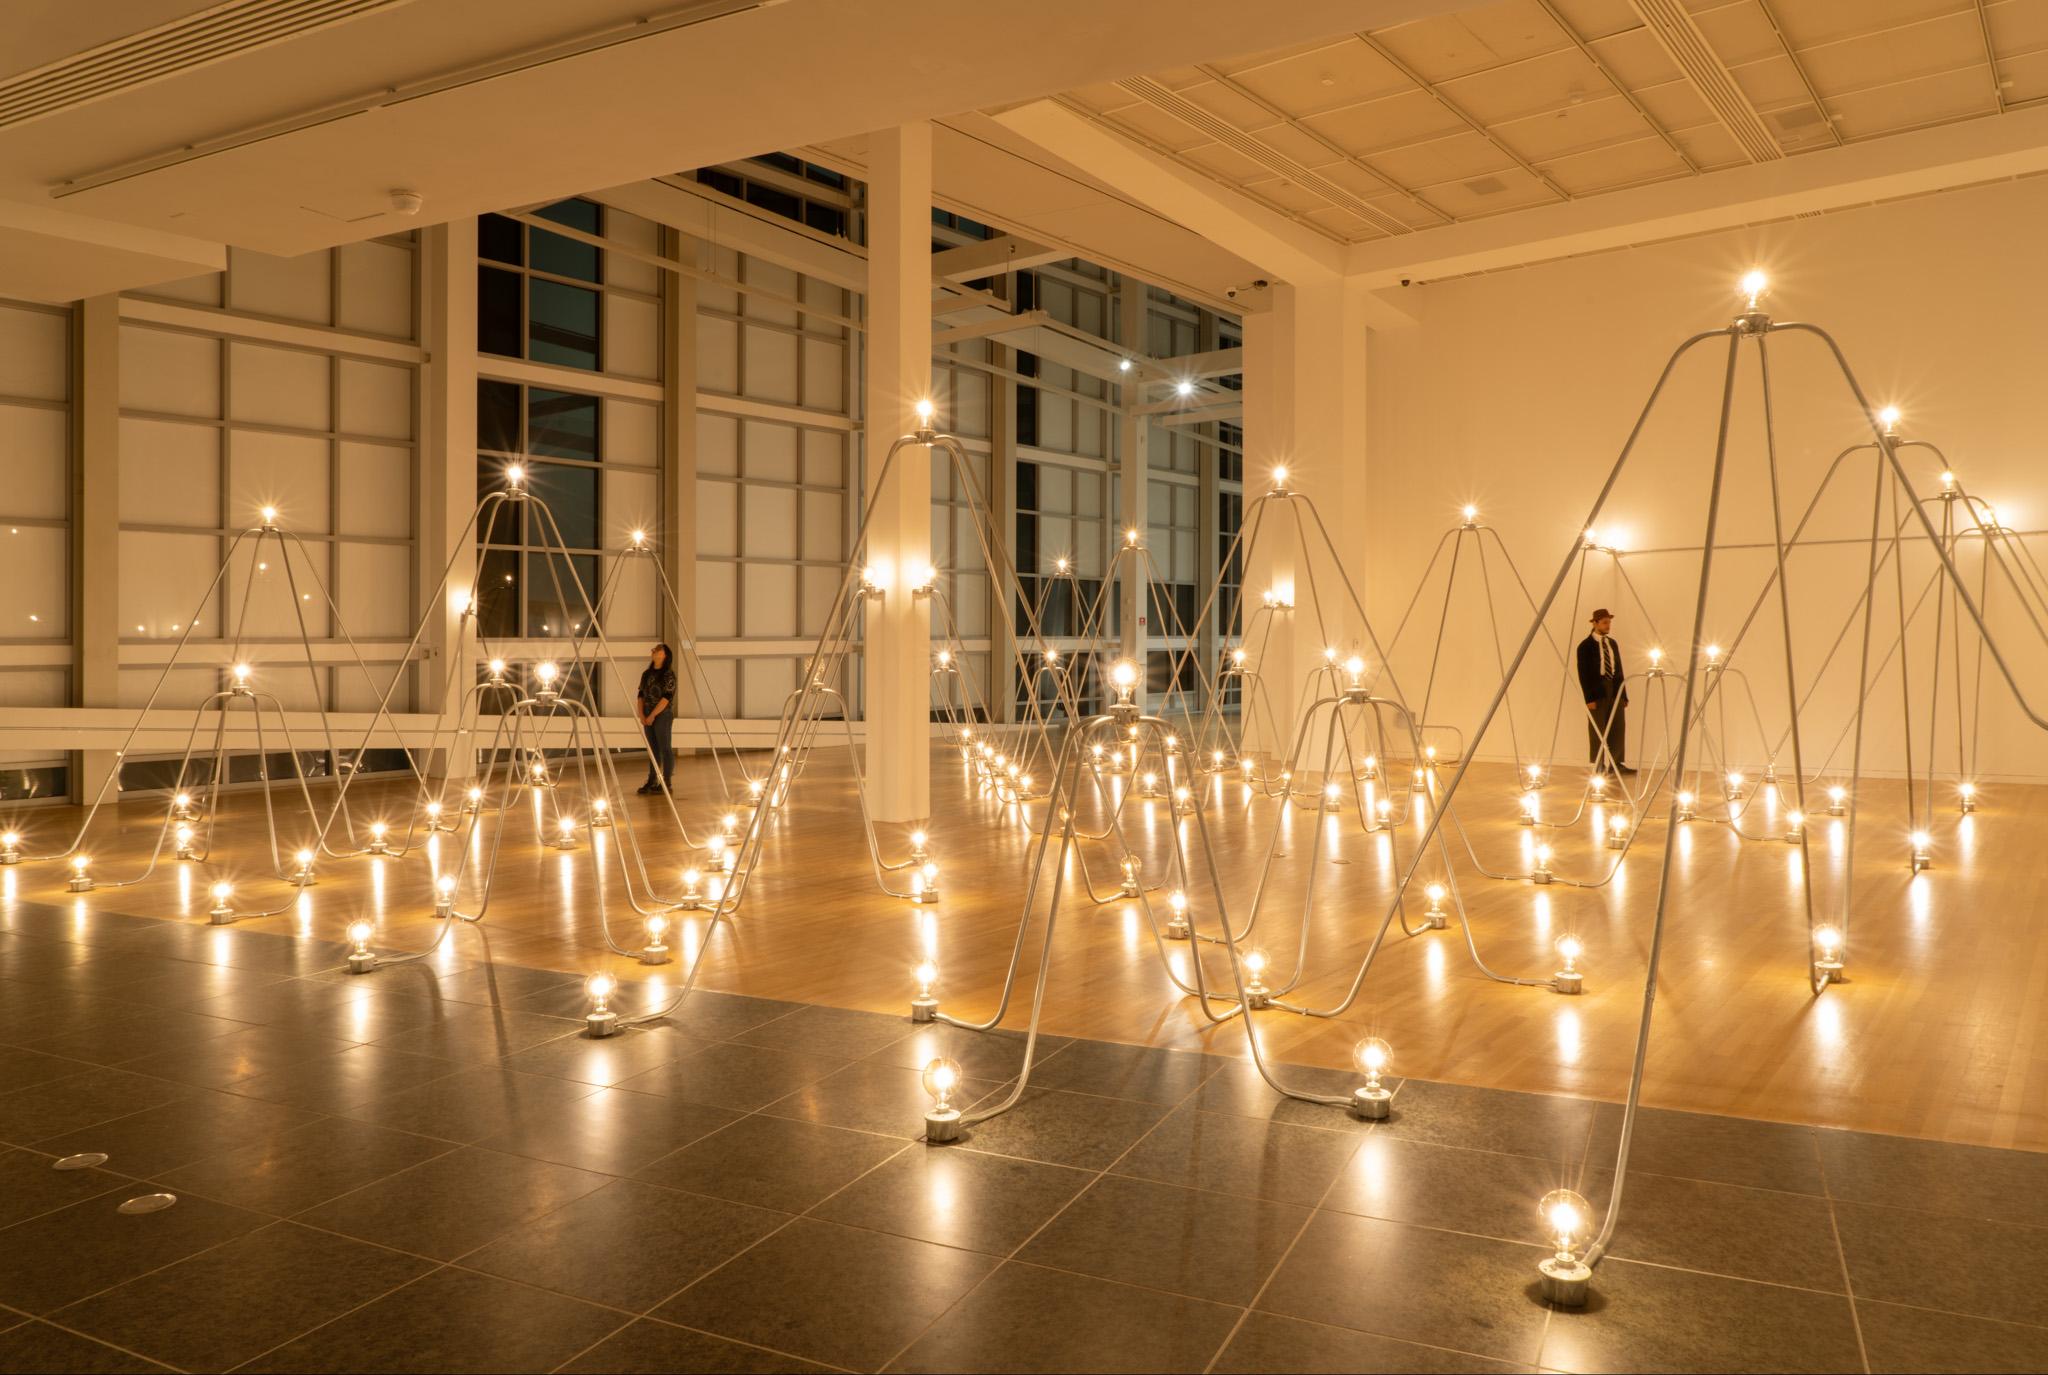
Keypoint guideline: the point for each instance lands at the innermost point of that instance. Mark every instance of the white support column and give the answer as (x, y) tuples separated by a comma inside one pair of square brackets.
[(678, 533), (897, 653), (1002, 504), (1134, 467), (448, 469), (95, 524), (1304, 404)]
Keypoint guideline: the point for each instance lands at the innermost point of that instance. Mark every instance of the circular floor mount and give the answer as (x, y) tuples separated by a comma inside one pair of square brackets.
[(84, 1160), (147, 1203)]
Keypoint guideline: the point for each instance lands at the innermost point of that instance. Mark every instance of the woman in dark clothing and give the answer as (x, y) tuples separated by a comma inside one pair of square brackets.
[(656, 709)]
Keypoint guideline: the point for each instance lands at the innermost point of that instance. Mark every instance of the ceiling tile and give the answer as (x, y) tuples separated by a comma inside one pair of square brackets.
[(1897, 54), (1542, 84), (1446, 159), (1290, 195), (1342, 224), (1407, 211), (1636, 57), (1322, 79), (1474, 40), (1914, 104), (1598, 19), (1810, 22), (2018, 26), (1595, 124), (1740, 33), (1610, 169), (1394, 122), (1491, 193), (2027, 75)]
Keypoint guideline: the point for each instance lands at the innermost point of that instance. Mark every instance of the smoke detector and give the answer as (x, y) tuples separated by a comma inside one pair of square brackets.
[(407, 202)]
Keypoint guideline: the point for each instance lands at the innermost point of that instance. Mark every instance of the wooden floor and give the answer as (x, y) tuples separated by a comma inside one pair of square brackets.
[(1940, 1031)]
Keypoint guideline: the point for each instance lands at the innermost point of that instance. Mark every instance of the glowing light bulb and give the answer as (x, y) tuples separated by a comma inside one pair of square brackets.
[(241, 674), (1184, 388), (1713, 653), (1754, 284), (222, 892), (600, 1020), (1280, 477), (1237, 658), (359, 933), (546, 672), (1354, 668), (1385, 808), (1060, 565), (514, 475), (305, 859), (1131, 536), (1435, 893), (941, 1080), (1124, 677), (1592, 538), (1123, 365), (1471, 514), (445, 885), (1827, 953), (1373, 1056), (1565, 1216), (476, 796), (1569, 948), (1889, 417), (270, 515), (1948, 481), (925, 411), (1656, 657), (926, 974)]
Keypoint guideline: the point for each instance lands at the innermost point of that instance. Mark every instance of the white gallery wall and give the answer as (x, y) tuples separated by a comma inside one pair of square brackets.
[(1515, 391), (309, 384)]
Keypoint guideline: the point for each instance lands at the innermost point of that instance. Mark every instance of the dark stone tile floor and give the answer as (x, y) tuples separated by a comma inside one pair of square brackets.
[(438, 1172)]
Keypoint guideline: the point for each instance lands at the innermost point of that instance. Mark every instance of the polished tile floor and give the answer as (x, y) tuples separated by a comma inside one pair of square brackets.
[(433, 1170)]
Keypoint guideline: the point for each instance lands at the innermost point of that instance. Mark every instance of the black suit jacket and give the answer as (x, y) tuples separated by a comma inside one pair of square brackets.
[(1593, 684)]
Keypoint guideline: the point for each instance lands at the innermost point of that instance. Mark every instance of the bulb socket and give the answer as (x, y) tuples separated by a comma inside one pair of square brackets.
[(654, 952), (1372, 1105), (925, 1009), (942, 1126), (1566, 1283), (1569, 982), (362, 961), (601, 1023)]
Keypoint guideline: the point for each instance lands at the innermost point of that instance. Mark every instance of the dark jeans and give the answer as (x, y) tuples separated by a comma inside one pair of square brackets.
[(661, 740), (1617, 732)]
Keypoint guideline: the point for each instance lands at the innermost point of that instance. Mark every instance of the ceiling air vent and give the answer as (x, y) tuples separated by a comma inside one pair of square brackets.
[(1486, 186), (141, 59)]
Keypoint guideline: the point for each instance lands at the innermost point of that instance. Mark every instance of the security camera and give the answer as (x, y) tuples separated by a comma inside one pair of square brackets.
[(1256, 284), (407, 202), (1404, 281)]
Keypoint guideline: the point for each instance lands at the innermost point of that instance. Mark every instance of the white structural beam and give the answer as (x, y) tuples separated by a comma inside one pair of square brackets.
[(1005, 253), (1225, 217), (897, 653), (2012, 145), (448, 468), (95, 525), (1304, 409)]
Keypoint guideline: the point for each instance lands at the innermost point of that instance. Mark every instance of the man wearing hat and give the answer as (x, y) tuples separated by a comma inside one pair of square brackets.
[(1600, 682)]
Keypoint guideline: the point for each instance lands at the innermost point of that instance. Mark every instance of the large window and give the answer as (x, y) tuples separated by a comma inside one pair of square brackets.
[(35, 511), (816, 197), (538, 293), (528, 591)]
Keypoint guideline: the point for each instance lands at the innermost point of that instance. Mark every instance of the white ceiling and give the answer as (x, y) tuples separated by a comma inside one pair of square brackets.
[(1516, 104), (284, 125)]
